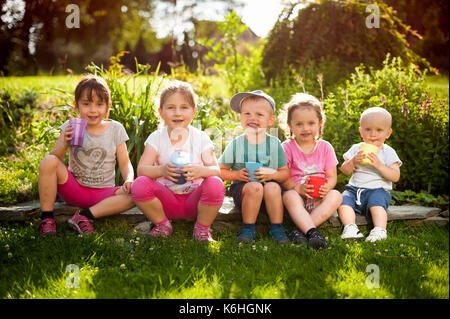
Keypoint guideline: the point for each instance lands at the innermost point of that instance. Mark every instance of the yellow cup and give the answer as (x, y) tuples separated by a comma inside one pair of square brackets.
[(367, 149)]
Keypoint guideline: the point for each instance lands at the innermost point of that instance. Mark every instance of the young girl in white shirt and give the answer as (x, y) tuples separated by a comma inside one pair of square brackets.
[(160, 191)]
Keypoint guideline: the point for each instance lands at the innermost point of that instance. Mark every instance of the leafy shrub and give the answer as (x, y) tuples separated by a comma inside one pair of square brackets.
[(420, 122), (133, 103), (16, 113), (241, 72), (331, 37), (19, 176), (422, 198)]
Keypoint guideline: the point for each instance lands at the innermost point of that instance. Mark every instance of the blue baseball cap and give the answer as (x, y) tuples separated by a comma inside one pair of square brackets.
[(237, 99)]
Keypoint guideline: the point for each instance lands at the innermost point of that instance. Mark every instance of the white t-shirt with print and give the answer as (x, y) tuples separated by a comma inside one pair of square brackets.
[(196, 143), (365, 176)]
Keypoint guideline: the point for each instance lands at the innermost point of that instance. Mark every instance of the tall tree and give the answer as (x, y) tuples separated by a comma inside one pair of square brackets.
[(43, 27)]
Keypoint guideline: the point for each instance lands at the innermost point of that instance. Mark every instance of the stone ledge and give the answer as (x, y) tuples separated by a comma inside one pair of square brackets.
[(227, 214)]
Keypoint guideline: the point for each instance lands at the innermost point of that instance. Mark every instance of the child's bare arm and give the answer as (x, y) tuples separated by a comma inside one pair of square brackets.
[(228, 175), (210, 167), (146, 166), (331, 176), (62, 144), (391, 173), (349, 164), (288, 184), (265, 174), (126, 169)]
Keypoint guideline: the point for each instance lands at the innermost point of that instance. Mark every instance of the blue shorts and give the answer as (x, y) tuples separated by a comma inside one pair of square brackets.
[(361, 199)]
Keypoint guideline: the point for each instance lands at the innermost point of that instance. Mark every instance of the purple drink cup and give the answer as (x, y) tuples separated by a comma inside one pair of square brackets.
[(78, 128)]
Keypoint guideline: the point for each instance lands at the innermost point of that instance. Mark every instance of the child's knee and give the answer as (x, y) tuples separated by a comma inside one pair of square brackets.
[(346, 209), (214, 183), (142, 189), (272, 189), (335, 196), (253, 189), (378, 210), (290, 197), (49, 162), (213, 191)]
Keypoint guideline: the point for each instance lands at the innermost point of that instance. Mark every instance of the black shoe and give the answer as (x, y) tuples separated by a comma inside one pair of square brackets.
[(298, 237), (316, 240)]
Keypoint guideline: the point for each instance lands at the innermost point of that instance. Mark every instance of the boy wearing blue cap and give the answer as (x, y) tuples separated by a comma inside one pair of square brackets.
[(266, 164)]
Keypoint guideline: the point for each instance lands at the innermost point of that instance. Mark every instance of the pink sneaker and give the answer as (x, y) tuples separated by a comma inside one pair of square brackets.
[(47, 227), (164, 230), (202, 234), (81, 224)]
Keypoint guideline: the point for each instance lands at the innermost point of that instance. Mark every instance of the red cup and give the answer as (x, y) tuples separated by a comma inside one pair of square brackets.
[(316, 181)]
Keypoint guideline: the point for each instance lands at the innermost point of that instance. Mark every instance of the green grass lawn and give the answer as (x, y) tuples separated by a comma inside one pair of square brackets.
[(438, 85), (117, 263)]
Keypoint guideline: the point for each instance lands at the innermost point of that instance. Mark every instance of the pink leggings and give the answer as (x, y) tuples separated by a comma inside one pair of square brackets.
[(211, 192), (82, 196)]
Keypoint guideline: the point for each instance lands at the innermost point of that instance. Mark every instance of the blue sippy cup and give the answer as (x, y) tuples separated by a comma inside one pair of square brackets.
[(179, 159)]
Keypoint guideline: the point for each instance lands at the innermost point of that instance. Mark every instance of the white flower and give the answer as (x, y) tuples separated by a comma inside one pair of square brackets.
[(7, 247), (9, 255), (265, 248), (378, 253), (123, 267)]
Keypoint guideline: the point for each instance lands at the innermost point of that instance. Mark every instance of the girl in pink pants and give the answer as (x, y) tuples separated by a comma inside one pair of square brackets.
[(191, 189)]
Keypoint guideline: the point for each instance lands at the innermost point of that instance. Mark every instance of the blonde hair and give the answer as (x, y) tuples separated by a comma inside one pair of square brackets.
[(181, 87), (303, 100)]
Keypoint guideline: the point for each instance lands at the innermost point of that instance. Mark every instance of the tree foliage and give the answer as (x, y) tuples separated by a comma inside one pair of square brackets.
[(105, 27), (334, 33)]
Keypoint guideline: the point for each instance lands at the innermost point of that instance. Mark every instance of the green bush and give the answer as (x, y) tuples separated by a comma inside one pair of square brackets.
[(331, 37), (420, 122), (19, 176), (16, 113), (241, 72), (133, 103)]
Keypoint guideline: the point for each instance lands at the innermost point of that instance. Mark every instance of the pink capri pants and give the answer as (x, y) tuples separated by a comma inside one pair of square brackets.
[(82, 196), (211, 192)]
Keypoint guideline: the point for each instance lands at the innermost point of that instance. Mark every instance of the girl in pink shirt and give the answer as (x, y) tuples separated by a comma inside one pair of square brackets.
[(308, 155)]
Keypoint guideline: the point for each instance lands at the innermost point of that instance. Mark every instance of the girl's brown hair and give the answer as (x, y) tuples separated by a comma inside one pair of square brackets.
[(178, 87), (94, 83), (303, 100)]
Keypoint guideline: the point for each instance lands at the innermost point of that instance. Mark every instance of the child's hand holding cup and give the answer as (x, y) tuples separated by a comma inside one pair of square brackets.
[(252, 166), (180, 159), (316, 182), (367, 149), (78, 126)]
